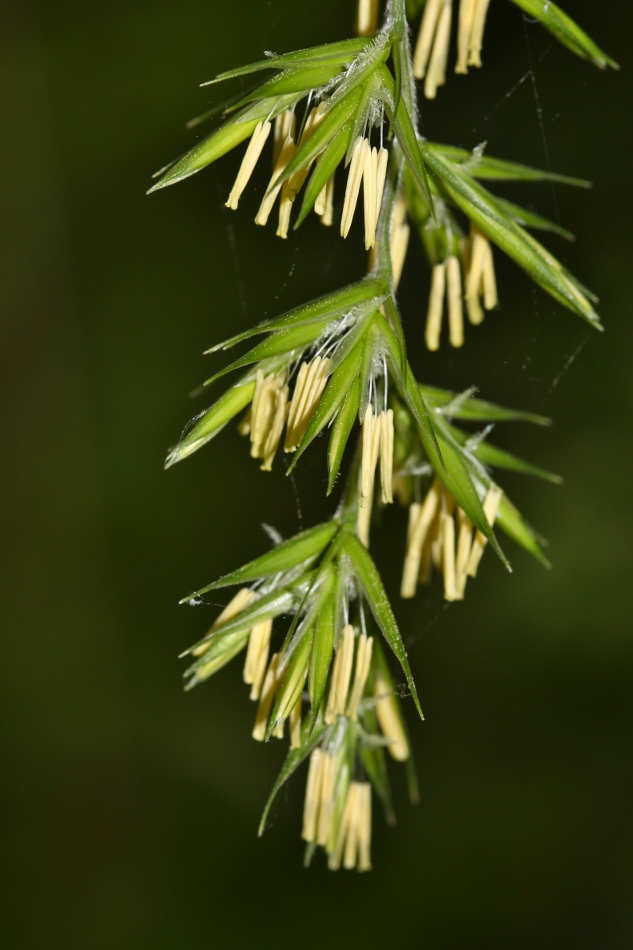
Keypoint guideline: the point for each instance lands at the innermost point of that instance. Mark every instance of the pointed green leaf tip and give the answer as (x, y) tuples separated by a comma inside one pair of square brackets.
[(482, 208), (275, 604), (372, 588), (566, 31), (293, 760), (480, 165), (340, 53), (215, 145), (278, 343), (465, 407), (495, 457), (209, 423), (298, 550), (332, 304), (513, 524)]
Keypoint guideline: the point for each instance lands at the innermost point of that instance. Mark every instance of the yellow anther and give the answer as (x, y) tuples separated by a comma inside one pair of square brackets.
[(366, 17), (354, 178), (491, 506), (341, 674), (363, 662), (436, 308), (257, 656), (251, 156)]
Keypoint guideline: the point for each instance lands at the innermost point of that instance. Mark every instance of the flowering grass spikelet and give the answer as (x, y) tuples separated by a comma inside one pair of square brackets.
[(338, 365), (480, 279)]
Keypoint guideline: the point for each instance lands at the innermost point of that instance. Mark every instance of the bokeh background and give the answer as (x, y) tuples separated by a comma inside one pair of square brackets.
[(129, 809)]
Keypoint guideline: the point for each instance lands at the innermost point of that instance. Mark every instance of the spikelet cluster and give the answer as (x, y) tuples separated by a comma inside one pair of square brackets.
[(441, 536), (367, 166), (272, 409), (478, 288), (377, 444)]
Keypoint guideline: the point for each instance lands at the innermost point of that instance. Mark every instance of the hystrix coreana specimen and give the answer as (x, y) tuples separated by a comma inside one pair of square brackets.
[(333, 121)]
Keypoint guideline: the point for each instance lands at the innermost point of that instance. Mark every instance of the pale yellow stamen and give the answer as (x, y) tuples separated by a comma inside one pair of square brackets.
[(477, 33), (464, 541), (447, 528), (389, 719), (324, 205), (479, 250), (475, 311), (364, 826), (295, 725), (300, 402), (363, 522), (370, 174), (293, 185), (429, 552), (354, 838), (363, 662), (327, 218), (273, 437), (399, 237), (313, 795), (488, 280), (352, 828), (436, 75), (232, 609), (366, 17), (369, 456), (296, 397), (260, 410), (285, 208), (267, 416), (319, 204), (417, 536), (386, 456), (455, 307), (436, 308), (425, 37), (436, 545), (354, 178), (491, 506), (414, 513), (481, 278), (466, 17), (400, 210), (341, 674), (336, 851), (381, 177), (257, 656), (328, 776), (311, 381), (287, 153), (244, 425), (251, 156), (267, 697), (399, 247), (285, 124)]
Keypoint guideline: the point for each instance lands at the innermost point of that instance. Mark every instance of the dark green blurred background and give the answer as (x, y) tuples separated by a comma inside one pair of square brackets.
[(130, 809)]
